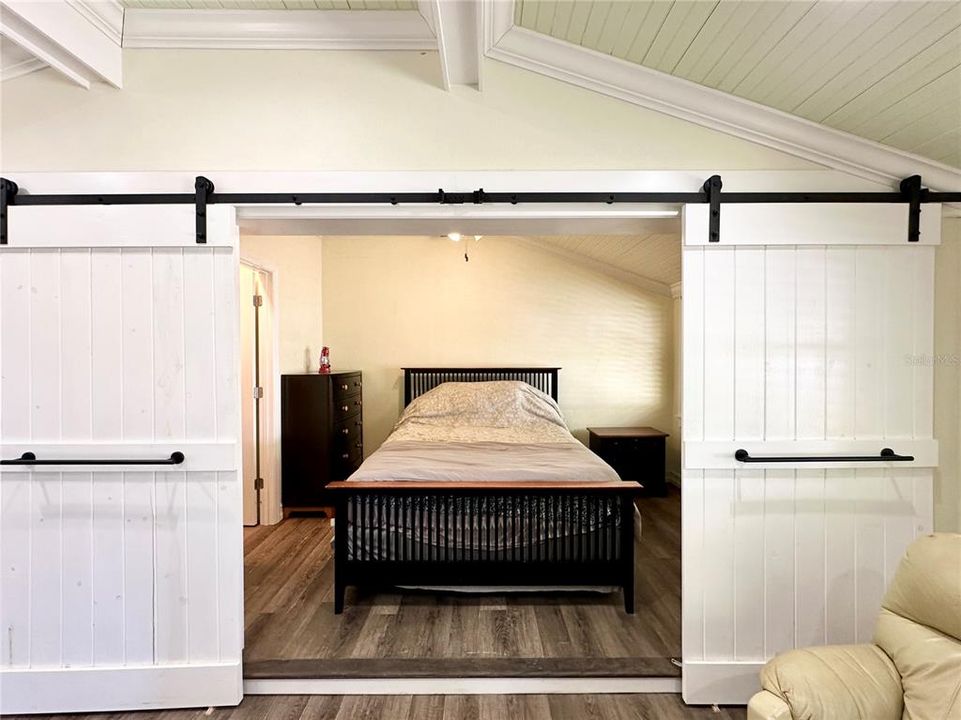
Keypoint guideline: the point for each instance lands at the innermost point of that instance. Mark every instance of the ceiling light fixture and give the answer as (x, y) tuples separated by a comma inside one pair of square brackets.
[(455, 236)]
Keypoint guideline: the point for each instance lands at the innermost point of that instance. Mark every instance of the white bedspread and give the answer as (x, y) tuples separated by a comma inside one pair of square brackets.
[(485, 431), (483, 461)]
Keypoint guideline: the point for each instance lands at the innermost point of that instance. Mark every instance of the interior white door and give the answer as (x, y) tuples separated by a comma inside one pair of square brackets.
[(807, 331), (257, 358), (248, 349), (121, 583)]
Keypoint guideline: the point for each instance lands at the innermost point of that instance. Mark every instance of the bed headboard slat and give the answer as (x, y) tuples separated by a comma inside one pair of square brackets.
[(417, 381)]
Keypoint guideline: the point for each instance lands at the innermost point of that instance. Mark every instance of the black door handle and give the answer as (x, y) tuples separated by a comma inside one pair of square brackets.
[(29, 458), (886, 455)]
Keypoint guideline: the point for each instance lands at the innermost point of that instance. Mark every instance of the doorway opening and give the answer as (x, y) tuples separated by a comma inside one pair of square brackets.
[(390, 301)]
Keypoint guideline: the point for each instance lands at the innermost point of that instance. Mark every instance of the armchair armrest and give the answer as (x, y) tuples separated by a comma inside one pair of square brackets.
[(836, 682), (768, 706)]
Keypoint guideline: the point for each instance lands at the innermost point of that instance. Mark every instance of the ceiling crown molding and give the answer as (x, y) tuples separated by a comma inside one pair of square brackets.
[(105, 15), (717, 110), (278, 29)]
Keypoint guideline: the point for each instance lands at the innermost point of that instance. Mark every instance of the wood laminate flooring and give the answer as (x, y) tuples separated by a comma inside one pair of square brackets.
[(289, 612), (437, 707)]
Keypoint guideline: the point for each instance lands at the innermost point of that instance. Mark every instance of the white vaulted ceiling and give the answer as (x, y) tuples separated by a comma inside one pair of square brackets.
[(885, 70), (271, 4), (868, 87)]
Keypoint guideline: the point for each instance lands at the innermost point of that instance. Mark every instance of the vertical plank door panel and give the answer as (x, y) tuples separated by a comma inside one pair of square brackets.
[(106, 370), (15, 491), (809, 501), (45, 422), (718, 554), (128, 574), (780, 424), (840, 490), (169, 403), (77, 493), (692, 480), (749, 401), (870, 330), (831, 334), (200, 374)]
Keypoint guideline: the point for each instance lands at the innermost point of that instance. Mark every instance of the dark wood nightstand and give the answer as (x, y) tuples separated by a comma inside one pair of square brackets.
[(636, 453)]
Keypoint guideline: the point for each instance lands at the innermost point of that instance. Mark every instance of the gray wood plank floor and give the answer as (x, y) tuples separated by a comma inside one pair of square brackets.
[(436, 707), (289, 607), (289, 575)]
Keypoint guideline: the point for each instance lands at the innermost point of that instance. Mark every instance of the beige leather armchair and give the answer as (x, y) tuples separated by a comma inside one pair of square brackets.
[(911, 672)]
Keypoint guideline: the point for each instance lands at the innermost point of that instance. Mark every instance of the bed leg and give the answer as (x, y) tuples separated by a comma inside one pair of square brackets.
[(629, 598), (627, 550), (340, 554)]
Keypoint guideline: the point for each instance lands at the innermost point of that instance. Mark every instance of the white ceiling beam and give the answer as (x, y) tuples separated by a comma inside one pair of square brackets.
[(57, 34), (21, 67), (457, 24), (718, 110), (277, 30)]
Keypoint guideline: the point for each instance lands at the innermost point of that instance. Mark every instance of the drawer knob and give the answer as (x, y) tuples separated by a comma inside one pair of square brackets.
[(344, 387), (345, 408), (346, 431), (345, 456)]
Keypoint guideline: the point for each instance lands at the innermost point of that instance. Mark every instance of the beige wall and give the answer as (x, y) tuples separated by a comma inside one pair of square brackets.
[(395, 302), (947, 378), (204, 110), (297, 262)]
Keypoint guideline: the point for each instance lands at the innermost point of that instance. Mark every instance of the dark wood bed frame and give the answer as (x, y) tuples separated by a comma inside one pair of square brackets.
[(534, 507)]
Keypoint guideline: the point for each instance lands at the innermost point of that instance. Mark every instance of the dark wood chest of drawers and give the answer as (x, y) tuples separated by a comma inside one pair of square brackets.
[(322, 435), (636, 453)]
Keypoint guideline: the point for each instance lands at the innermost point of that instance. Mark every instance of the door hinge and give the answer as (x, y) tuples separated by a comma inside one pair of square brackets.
[(258, 483), (259, 393), (258, 300)]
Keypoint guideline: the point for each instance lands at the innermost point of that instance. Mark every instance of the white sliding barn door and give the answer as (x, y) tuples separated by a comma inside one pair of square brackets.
[(120, 585), (808, 330)]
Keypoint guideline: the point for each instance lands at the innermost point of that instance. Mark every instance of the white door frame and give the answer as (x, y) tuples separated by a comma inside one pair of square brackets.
[(271, 510), (545, 219)]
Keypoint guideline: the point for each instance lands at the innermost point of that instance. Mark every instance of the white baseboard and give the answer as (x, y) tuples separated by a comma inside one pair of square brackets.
[(463, 686), (59, 690), (720, 683)]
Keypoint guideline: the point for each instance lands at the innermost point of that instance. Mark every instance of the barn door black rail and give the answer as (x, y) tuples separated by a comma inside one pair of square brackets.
[(29, 458), (886, 455), (910, 191)]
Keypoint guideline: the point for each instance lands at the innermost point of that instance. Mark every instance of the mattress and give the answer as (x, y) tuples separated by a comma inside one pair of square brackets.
[(481, 432), (483, 461)]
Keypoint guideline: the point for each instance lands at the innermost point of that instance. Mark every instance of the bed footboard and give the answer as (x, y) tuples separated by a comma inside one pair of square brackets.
[(484, 534)]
